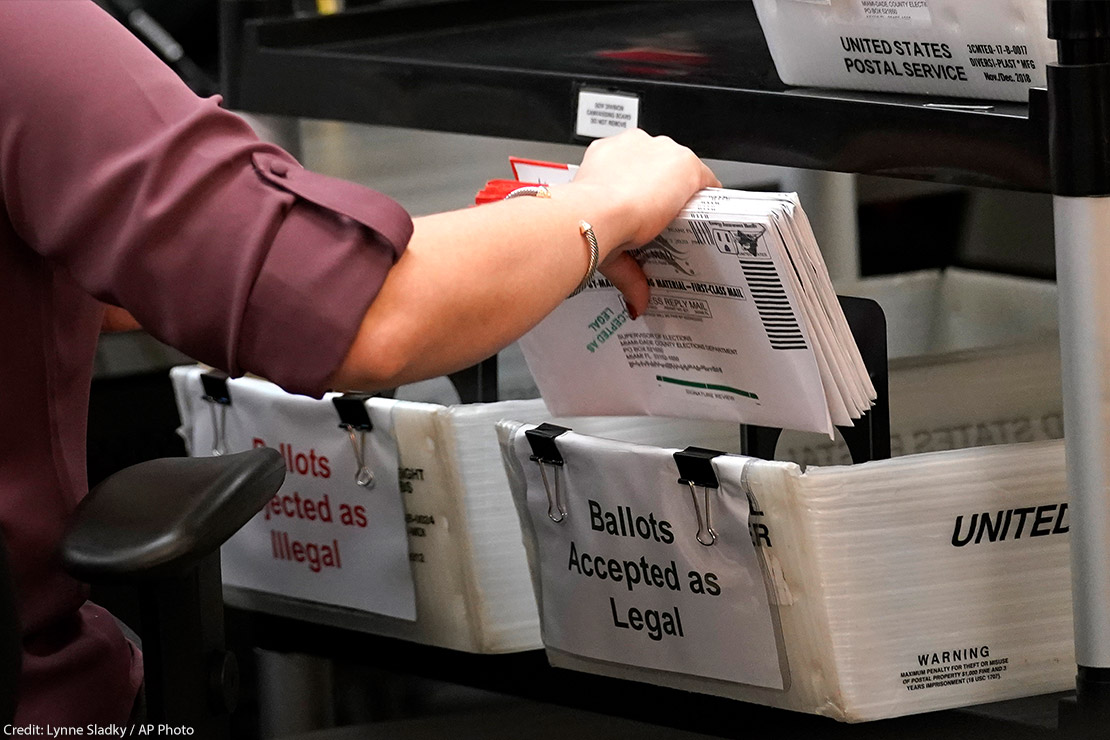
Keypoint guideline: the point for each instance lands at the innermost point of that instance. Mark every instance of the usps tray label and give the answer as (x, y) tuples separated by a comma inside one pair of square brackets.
[(896, 12)]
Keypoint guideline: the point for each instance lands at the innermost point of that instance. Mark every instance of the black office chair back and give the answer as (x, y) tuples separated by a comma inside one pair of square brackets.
[(162, 517), (158, 525)]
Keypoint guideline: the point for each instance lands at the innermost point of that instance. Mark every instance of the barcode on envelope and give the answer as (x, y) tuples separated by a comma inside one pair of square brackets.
[(773, 305), (701, 231)]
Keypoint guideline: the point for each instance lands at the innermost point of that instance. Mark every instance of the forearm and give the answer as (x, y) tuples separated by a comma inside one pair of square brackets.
[(472, 281)]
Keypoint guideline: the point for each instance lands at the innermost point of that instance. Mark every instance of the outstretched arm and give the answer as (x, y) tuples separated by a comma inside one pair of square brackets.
[(222, 246), (472, 281)]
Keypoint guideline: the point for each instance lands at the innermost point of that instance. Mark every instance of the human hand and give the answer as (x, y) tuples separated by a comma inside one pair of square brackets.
[(646, 180)]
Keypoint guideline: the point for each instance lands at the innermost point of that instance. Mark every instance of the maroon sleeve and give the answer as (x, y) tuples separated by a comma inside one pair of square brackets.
[(161, 202)]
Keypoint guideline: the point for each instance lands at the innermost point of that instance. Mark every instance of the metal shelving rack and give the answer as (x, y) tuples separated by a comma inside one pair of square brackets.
[(514, 70)]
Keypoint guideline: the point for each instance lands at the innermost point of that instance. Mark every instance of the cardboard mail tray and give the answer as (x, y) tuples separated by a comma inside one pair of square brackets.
[(908, 585)]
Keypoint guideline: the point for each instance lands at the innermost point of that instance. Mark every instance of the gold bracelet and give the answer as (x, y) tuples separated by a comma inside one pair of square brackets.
[(587, 231), (537, 191), (584, 228)]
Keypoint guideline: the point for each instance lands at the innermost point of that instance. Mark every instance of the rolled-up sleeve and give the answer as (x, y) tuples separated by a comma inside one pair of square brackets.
[(169, 206)]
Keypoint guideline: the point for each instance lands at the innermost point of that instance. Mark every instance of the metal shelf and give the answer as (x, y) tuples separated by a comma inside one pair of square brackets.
[(514, 70)]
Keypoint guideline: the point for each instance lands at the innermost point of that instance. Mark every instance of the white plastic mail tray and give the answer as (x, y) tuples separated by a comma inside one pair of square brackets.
[(974, 398), (989, 49), (472, 588), (908, 585)]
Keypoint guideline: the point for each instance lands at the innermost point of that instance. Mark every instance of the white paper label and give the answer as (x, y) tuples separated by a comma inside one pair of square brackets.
[(623, 578), (544, 173), (606, 114), (323, 537), (907, 12)]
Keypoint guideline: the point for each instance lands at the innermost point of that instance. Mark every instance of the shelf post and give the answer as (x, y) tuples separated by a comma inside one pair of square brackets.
[(1079, 157)]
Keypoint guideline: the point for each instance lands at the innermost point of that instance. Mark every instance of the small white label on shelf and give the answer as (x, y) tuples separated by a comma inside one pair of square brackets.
[(602, 114)]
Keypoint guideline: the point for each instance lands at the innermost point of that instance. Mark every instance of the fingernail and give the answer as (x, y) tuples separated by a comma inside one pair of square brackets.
[(632, 312)]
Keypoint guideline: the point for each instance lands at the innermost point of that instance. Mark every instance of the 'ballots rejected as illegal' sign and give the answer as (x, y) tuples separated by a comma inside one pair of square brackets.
[(323, 537), (623, 577)]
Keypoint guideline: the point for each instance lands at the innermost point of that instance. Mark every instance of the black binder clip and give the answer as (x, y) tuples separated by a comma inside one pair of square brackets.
[(216, 394), (545, 452), (353, 417), (695, 468)]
